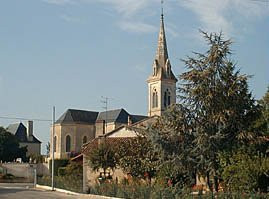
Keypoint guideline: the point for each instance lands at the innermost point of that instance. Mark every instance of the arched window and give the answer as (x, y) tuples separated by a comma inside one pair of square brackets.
[(154, 99), (167, 98), (84, 139), (55, 143), (67, 143)]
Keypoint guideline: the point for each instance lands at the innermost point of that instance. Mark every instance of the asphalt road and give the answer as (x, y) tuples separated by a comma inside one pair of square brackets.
[(26, 191)]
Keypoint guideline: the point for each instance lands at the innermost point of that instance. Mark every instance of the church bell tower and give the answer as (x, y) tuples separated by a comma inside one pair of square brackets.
[(162, 81)]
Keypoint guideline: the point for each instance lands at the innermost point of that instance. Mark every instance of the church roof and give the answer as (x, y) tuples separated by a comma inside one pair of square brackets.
[(137, 118), (90, 117), (19, 130), (118, 115), (78, 116)]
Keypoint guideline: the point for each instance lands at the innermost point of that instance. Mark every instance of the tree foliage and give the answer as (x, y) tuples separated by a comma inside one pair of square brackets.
[(172, 136), (245, 170), (137, 158), (215, 114), (9, 147), (102, 157), (262, 123)]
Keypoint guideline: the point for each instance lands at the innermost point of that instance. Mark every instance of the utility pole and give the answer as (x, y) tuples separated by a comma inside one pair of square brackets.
[(52, 160)]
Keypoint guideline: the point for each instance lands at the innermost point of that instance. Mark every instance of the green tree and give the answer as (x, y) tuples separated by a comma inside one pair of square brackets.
[(103, 157), (137, 157), (172, 137), (221, 104), (9, 147), (245, 170), (215, 115), (262, 123)]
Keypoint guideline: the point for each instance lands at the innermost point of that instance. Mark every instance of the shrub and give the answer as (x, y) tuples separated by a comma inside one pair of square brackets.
[(61, 171), (58, 163), (8, 176), (70, 183)]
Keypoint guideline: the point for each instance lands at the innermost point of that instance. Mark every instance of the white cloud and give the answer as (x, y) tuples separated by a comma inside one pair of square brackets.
[(137, 27), (127, 8), (225, 15), (129, 11), (59, 2), (230, 16), (69, 18), (172, 29)]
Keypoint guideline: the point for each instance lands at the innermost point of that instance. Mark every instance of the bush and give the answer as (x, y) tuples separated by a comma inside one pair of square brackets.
[(8, 176), (75, 169), (58, 163), (136, 191), (61, 171), (144, 191), (70, 183)]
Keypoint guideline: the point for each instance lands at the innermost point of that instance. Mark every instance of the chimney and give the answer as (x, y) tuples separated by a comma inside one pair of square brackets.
[(129, 120), (30, 129)]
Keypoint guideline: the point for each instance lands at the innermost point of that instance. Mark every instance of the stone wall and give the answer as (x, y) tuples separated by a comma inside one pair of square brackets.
[(25, 170)]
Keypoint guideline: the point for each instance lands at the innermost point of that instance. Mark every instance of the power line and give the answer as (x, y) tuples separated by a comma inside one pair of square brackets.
[(25, 119)]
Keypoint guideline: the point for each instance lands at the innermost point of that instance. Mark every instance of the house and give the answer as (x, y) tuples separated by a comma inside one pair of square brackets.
[(26, 137)]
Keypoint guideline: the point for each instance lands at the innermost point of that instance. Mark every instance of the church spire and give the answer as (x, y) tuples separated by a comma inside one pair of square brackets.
[(162, 82), (162, 53)]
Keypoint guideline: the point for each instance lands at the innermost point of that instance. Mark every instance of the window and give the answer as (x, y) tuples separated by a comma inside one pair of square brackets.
[(167, 98), (84, 139), (67, 143), (154, 99), (55, 143)]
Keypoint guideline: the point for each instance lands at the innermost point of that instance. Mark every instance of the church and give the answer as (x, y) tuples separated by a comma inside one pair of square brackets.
[(77, 128)]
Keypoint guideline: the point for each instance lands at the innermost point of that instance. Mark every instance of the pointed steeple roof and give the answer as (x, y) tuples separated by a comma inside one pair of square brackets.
[(162, 52), (161, 65)]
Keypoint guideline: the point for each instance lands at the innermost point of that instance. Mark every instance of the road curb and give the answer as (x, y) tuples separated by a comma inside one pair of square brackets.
[(74, 193)]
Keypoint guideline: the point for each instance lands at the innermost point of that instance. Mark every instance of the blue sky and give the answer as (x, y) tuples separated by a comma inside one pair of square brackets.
[(69, 53)]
